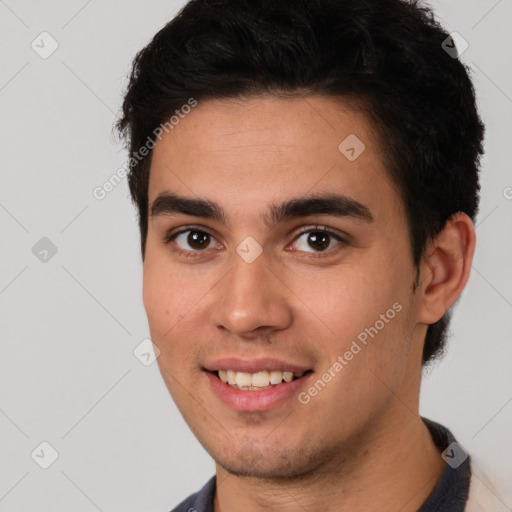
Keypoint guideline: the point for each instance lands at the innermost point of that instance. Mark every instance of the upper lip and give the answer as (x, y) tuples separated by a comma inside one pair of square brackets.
[(254, 365)]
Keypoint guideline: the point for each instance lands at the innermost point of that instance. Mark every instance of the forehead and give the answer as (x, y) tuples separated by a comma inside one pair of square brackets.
[(246, 152)]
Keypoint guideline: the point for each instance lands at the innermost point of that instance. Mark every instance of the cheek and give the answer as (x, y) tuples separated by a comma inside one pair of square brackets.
[(365, 313), (371, 321), (165, 308), (167, 293), (174, 301), (156, 297), (349, 299)]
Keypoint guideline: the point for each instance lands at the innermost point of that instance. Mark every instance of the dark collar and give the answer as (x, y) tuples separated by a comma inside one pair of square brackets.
[(451, 492)]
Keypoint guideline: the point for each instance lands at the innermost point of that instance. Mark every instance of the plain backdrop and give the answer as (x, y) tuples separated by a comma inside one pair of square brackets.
[(70, 321)]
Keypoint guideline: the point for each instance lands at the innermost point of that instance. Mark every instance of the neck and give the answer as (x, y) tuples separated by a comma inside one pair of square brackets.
[(396, 467)]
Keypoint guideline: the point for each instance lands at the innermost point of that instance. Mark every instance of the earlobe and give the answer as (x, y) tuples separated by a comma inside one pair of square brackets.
[(445, 269)]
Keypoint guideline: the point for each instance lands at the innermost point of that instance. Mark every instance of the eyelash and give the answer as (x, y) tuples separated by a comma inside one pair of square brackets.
[(312, 229)]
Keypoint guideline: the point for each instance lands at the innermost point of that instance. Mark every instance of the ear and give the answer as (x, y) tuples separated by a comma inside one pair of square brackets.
[(444, 270)]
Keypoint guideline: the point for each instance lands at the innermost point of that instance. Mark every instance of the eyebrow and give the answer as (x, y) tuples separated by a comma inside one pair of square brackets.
[(337, 205)]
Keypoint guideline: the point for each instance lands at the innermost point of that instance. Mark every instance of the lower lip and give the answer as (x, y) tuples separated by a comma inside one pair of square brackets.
[(255, 401)]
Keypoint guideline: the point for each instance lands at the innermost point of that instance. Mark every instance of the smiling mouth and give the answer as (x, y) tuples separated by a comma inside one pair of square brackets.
[(259, 380)]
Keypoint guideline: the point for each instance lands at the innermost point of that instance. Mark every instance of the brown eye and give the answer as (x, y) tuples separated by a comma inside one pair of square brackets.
[(319, 241), (198, 239), (316, 240), (193, 239)]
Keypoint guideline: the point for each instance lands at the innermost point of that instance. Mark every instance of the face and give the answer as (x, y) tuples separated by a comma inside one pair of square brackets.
[(277, 249)]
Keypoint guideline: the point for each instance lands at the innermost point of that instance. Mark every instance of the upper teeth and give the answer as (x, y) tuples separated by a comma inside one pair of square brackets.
[(258, 380)]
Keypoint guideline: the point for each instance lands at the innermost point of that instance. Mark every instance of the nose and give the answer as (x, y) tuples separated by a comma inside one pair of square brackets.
[(252, 300)]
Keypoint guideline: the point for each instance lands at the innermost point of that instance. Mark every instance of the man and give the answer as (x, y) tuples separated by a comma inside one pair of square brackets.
[(306, 176)]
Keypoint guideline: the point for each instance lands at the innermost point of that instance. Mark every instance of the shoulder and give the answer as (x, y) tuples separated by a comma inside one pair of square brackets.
[(186, 505), (486, 491), (201, 501)]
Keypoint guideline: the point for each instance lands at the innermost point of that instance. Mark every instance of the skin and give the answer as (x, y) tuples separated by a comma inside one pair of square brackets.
[(359, 441)]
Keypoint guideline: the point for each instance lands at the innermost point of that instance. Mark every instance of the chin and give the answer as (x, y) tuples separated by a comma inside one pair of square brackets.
[(264, 472), (251, 462)]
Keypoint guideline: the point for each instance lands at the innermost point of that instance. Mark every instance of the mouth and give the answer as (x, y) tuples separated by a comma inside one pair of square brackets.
[(259, 380), (256, 385)]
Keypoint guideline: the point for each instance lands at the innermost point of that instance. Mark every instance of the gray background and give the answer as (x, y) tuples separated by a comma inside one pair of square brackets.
[(69, 324)]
